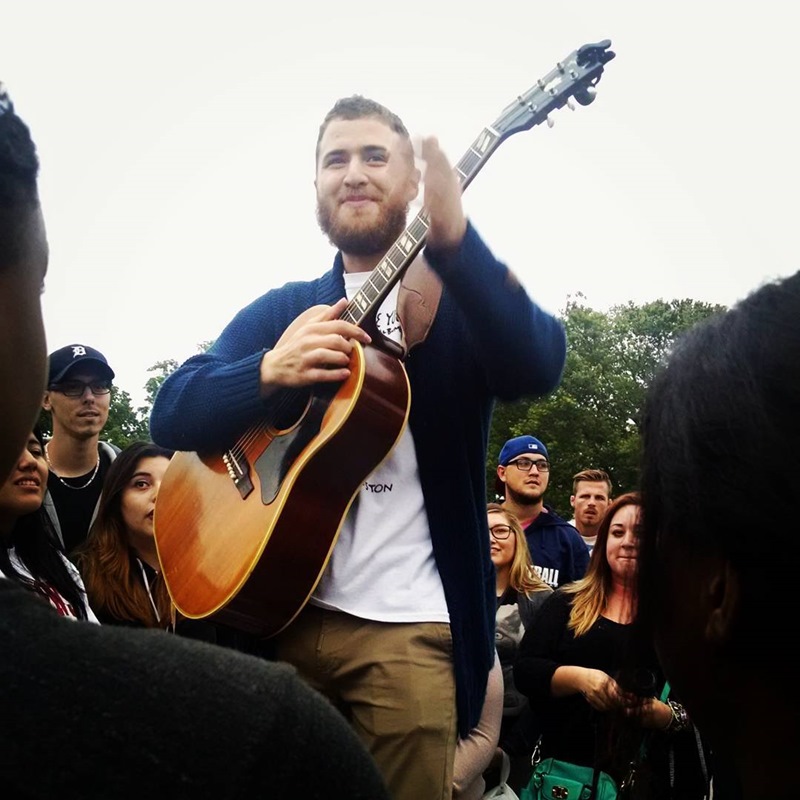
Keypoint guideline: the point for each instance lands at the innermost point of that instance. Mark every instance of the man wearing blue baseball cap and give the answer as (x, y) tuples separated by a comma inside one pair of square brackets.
[(557, 549), (78, 398)]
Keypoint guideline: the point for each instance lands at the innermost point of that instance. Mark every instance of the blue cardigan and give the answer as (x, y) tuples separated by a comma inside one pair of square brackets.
[(488, 340)]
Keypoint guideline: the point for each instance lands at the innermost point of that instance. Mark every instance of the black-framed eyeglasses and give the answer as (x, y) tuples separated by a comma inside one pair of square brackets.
[(525, 464), (500, 532), (77, 388)]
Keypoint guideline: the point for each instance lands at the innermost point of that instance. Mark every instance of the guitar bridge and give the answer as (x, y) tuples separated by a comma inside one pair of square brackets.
[(239, 470)]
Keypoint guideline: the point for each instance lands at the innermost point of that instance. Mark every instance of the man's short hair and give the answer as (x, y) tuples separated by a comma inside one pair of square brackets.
[(359, 107), (593, 476)]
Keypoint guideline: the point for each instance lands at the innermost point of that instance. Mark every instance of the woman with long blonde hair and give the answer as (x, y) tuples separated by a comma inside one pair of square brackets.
[(595, 690)]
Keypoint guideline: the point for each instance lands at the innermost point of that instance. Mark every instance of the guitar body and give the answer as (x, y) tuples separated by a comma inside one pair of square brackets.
[(253, 557)]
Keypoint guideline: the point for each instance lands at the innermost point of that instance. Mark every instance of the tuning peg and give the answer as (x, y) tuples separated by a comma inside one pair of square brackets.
[(570, 104), (585, 95), (550, 121)]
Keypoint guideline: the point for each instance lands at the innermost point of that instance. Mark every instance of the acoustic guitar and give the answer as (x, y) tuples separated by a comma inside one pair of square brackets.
[(245, 534)]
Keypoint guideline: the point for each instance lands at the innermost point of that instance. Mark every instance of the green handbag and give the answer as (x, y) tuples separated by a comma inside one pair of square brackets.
[(560, 780)]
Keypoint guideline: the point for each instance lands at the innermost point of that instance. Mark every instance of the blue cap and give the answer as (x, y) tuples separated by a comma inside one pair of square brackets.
[(521, 445)]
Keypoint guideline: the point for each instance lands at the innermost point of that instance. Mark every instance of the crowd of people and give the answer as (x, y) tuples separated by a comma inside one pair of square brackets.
[(449, 642)]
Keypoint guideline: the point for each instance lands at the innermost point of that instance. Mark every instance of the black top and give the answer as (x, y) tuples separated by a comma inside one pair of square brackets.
[(75, 506), (207, 629), (101, 711), (676, 766), (571, 730)]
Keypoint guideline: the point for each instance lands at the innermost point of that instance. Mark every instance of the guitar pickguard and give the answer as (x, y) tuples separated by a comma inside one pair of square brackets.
[(275, 462)]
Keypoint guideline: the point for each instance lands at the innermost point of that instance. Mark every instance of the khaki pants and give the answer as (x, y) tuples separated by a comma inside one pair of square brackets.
[(394, 682)]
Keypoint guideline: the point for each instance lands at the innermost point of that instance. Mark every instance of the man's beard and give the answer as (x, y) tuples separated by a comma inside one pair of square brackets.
[(363, 241), (529, 498)]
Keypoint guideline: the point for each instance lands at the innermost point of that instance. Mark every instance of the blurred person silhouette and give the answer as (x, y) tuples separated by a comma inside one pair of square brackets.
[(717, 580), (96, 711), (23, 266)]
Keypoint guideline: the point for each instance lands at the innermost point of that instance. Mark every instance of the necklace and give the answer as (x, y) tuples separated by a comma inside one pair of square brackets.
[(62, 481)]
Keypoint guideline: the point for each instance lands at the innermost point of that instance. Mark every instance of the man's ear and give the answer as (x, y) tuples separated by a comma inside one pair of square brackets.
[(572, 500), (723, 598), (46, 404), (501, 473)]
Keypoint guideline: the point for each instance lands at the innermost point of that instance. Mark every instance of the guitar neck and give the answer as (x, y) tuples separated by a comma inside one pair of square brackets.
[(400, 255), (575, 76)]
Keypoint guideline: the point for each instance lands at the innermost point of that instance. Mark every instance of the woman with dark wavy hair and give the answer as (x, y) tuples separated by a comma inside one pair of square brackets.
[(119, 561), (30, 554)]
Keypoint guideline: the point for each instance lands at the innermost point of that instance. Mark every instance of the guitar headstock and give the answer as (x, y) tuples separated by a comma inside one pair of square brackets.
[(576, 76)]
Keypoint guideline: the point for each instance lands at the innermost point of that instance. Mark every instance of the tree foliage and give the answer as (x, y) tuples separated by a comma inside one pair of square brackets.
[(592, 419)]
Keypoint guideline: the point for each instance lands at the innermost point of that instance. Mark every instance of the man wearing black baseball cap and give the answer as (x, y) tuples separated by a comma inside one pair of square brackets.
[(523, 473), (78, 397)]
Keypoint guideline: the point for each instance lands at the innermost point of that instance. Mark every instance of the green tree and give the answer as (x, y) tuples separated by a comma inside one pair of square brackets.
[(125, 425), (160, 369), (592, 419)]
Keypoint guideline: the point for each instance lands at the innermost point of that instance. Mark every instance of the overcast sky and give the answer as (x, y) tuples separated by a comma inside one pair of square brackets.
[(177, 148)]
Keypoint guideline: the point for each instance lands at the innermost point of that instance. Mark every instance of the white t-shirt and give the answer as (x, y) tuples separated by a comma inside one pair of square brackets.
[(382, 567), (589, 541)]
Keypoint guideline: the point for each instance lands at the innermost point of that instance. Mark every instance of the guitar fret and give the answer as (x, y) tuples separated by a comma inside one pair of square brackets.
[(484, 142), (470, 163), (361, 301), (387, 268), (418, 229), (406, 243)]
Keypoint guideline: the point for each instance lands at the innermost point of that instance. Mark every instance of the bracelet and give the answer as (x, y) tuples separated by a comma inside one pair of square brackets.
[(680, 719)]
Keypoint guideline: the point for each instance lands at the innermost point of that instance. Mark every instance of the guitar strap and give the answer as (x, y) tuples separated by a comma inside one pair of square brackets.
[(418, 301)]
